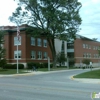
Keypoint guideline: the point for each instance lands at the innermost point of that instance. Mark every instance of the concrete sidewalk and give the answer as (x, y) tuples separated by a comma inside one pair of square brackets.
[(25, 74)]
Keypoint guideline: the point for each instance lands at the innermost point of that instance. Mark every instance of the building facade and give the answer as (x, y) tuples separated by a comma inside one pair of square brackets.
[(30, 49), (84, 48)]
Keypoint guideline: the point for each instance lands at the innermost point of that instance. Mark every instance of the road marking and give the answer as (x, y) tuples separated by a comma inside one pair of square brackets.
[(44, 88)]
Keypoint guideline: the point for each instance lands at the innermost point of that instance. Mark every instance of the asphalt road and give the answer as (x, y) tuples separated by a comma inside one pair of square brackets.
[(51, 86)]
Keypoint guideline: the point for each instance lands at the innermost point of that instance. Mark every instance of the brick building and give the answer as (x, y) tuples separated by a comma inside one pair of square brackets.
[(29, 49), (37, 49), (84, 48)]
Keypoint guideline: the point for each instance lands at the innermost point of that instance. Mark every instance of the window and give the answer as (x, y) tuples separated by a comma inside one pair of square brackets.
[(83, 45), (45, 43), (45, 55), (98, 47), (97, 55), (39, 55), (19, 54), (87, 55), (33, 41), (87, 46), (33, 54), (70, 45), (16, 41), (84, 55), (39, 43), (93, 47), (94, 55)]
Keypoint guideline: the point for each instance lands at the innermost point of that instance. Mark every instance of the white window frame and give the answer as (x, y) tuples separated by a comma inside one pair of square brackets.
[(84, 55), (16, 41), (87, 46), (45, 43), (32, 41), (83, 45), (39, 42), (39, 55), (45, 55), (19, 54), (33, 54)]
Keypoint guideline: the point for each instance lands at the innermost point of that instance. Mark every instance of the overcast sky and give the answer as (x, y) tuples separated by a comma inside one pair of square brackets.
[(90, 14)]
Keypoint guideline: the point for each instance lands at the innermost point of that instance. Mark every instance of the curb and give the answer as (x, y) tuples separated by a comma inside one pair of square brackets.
[(94, 81), (72, 78)]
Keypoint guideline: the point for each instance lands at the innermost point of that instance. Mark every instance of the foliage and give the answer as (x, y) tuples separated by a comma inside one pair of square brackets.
[(95, 39), (86, 61), (14, 66), (71, 61), (61, 58), (95, 74), (3, 63), (38, 65), (2, 50), (49, 18)]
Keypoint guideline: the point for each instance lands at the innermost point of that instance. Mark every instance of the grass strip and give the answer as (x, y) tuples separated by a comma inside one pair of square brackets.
[(95, 74)]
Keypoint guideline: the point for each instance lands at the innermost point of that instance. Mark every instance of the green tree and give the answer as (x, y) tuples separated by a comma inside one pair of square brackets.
[(86, 61), (61, 58), (50, 18), (95, 39), (2, 50)]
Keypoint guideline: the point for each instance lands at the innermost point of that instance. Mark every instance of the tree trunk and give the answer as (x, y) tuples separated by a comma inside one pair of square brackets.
[(53, 51)]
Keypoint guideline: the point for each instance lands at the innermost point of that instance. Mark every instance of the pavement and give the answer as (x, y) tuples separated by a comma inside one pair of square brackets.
[(83, 80)]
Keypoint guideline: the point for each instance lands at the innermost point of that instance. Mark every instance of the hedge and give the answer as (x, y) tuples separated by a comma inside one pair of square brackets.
[(14, 66), (38, 65)]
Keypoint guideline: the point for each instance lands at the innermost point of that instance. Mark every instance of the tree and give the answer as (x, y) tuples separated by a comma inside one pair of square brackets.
[(2, 50), (51, 18), (95, 39), (86, 61), (61, 58)]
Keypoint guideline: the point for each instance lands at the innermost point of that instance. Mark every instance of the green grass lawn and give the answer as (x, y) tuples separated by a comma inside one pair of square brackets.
[(11, 71), (91, 74), (22, 71)]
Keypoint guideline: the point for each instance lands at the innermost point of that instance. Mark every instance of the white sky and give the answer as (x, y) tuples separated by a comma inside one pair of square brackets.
[(90, 14)]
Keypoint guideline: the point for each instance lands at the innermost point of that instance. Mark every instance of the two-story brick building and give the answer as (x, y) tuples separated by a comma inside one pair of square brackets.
[(30, 49), (84, 48)]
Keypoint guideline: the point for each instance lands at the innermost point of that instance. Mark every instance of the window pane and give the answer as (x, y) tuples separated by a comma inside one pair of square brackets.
[(19, 54), (39, 55), (45, 55), (33, 54), (33, 41), (39, 42), (45, 43), (16, 41)]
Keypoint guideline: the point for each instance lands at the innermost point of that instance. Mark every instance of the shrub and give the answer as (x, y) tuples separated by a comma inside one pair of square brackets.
[(20, 66), (45, 65), (51, 65), (29, 65), (86, 61), (14, 66), (3, 63), (8, 66)]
